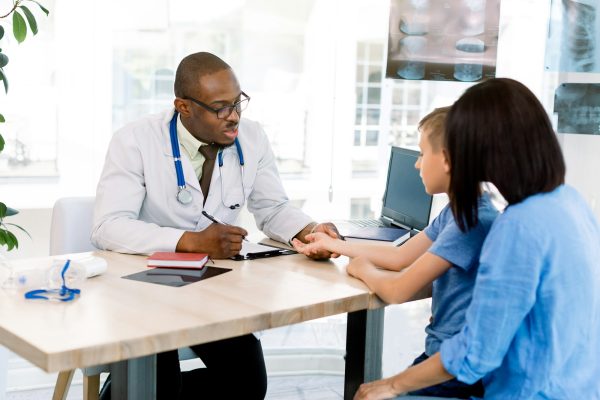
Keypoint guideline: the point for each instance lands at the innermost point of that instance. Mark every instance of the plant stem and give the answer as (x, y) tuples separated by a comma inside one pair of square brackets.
[(13, 9)]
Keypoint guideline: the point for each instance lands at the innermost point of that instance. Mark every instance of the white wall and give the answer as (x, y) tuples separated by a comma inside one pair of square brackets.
[(84, 109), (582, 154), (36, 221), (524, 62)]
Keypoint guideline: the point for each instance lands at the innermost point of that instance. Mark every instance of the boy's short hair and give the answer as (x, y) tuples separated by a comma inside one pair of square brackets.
[(435, 125)]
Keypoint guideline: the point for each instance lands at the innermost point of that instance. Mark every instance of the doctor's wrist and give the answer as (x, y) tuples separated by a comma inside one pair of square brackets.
[(191, 242), (310, 228), (185, 243)]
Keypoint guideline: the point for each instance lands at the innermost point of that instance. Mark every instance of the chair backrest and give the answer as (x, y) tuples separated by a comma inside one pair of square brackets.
[(71, 225)]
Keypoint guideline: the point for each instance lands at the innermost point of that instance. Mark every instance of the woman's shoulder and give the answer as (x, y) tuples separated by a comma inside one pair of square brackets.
[(544, 202), (549, 214)]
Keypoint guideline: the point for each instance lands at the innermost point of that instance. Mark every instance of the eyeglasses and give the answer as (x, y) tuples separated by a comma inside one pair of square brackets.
[(224, 112)]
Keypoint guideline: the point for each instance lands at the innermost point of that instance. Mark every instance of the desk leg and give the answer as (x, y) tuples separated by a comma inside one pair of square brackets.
[(134, 379), (364, 346)]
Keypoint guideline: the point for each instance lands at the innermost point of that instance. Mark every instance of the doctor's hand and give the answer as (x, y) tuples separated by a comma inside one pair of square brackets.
[(326, 228), (218, 241)]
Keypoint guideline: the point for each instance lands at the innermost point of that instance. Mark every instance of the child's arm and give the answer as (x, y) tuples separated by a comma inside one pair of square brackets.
[(398, 287), (385, 256)]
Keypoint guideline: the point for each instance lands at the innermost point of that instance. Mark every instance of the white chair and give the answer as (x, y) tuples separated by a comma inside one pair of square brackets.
[(70, 231)]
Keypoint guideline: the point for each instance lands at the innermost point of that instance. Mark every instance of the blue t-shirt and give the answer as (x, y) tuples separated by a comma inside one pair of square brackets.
[(451, 293), (532, 330)]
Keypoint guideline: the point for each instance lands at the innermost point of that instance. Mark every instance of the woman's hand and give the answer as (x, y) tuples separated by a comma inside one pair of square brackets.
[(376, 390)]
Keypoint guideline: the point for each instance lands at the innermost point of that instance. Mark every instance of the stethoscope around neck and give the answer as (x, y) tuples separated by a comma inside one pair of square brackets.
[(184, 196)]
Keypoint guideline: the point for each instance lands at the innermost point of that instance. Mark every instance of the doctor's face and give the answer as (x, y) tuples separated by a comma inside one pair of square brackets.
[(214, 91)]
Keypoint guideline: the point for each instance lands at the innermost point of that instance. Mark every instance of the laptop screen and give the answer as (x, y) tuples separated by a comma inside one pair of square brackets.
[(405, 201)]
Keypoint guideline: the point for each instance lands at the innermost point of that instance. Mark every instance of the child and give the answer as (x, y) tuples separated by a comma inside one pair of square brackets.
[(441, 254), (532, 330)]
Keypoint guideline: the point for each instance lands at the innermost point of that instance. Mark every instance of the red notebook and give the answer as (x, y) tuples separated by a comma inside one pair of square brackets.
[(168, 259)]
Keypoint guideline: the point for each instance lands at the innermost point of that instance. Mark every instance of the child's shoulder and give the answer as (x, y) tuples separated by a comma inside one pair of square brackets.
[(445, 221), (445, 216)]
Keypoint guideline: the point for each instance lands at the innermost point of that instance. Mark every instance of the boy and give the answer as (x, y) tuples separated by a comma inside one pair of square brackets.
[(442, 254)]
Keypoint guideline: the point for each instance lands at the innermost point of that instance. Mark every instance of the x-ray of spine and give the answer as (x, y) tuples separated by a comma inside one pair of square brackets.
[(573, 36), (577, 106)]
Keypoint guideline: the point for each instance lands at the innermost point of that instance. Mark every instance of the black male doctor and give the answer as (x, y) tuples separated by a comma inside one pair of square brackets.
[(141, 207), (163, 171)]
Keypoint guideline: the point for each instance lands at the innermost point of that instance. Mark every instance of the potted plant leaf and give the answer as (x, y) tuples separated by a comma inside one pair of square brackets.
[(22, 20)]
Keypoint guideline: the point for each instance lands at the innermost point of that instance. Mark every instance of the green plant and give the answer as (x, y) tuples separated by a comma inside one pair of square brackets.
[(20, 12), (7, 237)]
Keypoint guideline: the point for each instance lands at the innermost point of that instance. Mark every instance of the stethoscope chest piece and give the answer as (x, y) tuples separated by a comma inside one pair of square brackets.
[(184, 196)]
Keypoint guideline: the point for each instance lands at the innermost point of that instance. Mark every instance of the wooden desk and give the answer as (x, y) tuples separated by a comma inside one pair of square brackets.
[(125, 323)]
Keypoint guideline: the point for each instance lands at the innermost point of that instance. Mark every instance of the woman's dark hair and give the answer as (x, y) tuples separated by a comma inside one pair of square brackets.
[(499, 132)]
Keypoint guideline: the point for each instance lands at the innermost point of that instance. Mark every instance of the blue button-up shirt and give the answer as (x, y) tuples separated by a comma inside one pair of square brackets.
[(533, 327)]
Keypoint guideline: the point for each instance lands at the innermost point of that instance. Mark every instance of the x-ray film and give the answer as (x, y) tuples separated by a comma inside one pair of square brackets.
[(578, 108), (453, 40), (573, 35)]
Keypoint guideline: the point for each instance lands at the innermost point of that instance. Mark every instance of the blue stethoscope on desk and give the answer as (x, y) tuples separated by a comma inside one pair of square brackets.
[(64, 293), (184, 196)]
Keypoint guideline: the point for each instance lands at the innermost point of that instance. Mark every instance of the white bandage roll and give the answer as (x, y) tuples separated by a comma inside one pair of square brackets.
[(93, 266)]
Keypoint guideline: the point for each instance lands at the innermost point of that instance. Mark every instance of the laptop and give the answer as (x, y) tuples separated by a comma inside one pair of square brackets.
[(406, 204)]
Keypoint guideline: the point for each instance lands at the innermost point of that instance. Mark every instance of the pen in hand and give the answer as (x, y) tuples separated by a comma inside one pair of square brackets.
[(217, 221)]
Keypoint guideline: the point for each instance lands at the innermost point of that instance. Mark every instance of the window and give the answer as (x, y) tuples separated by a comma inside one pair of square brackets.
[(361, 208), (369, 78), (30, 106)]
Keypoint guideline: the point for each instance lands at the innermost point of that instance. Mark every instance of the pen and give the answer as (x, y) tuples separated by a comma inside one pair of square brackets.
[(217, 221)]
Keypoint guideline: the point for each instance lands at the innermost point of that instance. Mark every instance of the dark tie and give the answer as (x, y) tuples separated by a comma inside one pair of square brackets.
[(209, 151)]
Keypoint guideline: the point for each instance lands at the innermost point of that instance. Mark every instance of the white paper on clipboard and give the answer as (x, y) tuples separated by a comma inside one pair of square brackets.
[(252, 251)]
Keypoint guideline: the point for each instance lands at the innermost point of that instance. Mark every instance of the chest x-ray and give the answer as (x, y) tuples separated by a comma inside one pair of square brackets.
[(573, 36), (443, 39)]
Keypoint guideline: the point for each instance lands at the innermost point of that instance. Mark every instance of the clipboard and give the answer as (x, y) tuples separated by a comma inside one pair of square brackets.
[(253, 251)]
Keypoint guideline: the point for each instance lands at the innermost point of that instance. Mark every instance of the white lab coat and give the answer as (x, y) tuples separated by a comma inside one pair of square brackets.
[(136, 207)]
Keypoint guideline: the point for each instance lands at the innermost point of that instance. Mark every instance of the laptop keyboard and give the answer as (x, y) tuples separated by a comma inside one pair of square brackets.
[(364, 223)]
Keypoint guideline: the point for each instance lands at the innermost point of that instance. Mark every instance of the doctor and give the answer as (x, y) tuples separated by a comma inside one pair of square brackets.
[(140, 205), (163, 171)]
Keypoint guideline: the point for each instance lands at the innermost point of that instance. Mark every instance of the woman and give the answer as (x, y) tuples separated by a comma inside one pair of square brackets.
[(533, 327)]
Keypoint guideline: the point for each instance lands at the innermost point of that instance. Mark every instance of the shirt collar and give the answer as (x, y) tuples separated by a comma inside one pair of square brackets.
[(187, 140)]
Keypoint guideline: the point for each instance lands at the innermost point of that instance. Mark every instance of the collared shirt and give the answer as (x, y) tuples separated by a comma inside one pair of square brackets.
[(532, 329), (190, 145)]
